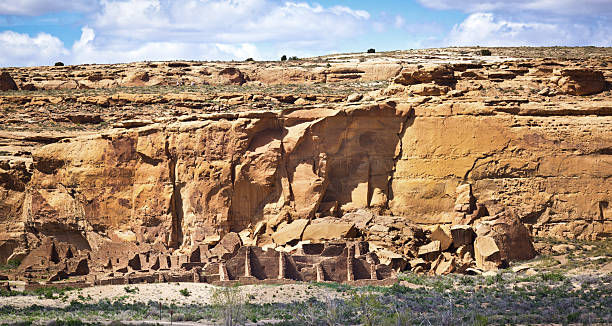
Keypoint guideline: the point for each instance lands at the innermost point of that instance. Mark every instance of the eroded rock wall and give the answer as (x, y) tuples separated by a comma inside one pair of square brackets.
[(180, 183), (554, 171), (517, 133)]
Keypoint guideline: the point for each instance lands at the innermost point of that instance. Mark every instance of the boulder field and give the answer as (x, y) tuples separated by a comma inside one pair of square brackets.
[(435, 174)]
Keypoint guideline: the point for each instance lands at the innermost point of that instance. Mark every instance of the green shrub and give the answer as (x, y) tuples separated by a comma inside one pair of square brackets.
[(371, 50), (59, 64), (249, 60), (284, 58), (573, 317), (69, 322), (554, 277), (367, 305), (481, 320), (129, 289), (11, 264), (185, 292), (49, 292)]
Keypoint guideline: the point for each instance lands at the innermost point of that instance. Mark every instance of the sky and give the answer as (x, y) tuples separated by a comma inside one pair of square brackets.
[(41, 32)]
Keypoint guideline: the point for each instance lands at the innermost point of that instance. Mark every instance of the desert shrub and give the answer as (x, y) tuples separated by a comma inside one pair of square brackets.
[(249, 60), (371, 50), (485, 52), (5, 293), (573, 317), (59, 64), (49, 292), (293, 58), (185, 292), (70, 322), (480, 320), (11, 264), (554, 277), (229, 303), (284, 58), (367, 305), (129, 289)]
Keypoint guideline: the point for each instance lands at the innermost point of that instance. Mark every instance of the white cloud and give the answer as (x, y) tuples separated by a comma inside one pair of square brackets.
[(215, 29), (529, 22), (487, 29), (41, 7), (23, 50), (224, 21), (85, 50), (399, 21), (131, 30), (564, 7)]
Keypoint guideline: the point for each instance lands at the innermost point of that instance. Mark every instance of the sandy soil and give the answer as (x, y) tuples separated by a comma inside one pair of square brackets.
[(168, 293)]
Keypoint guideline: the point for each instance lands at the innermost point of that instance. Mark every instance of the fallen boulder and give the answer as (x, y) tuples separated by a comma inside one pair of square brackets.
[(290, 232), (511, 236), (488, 256), (329, 230), (7, 83), (579, 81)]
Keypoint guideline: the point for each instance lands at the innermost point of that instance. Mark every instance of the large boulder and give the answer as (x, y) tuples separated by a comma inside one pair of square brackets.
[(329, 230), (429, 251), (230, 76), (290, 232), (488, 256), (511, 236), (7, 83), (442, 234), (441, 75), (228, 246), (579, 81), (465, 201), (462, 235)]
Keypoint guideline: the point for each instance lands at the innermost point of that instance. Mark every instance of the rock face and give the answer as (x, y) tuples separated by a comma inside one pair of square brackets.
[(461, 162), (581, 81), (7, 83)]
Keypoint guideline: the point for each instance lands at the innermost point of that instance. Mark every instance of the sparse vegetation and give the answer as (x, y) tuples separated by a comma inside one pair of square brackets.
[(130, 289), (10, 265), (229, 302)]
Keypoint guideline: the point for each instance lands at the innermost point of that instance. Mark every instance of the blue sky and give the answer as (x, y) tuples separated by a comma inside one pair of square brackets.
[(40, 32)]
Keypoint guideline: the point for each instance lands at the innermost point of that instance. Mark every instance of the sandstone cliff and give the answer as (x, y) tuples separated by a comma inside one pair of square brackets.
[(517, 133)]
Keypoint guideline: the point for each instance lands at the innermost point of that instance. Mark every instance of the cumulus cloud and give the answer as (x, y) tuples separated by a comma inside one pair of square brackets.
[(529, 22), (23, 50), (564, 7), (216, 29), (41, 7), (129, 30), (488, 29), (233, 21), (85, 50)]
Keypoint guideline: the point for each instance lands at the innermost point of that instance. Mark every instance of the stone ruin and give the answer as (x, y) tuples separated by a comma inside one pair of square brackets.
[(227, 262), (357, 248)]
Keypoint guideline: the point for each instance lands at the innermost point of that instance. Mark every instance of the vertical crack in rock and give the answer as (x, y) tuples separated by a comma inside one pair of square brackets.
[(370, 186), (176, 202), (408, 121)]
